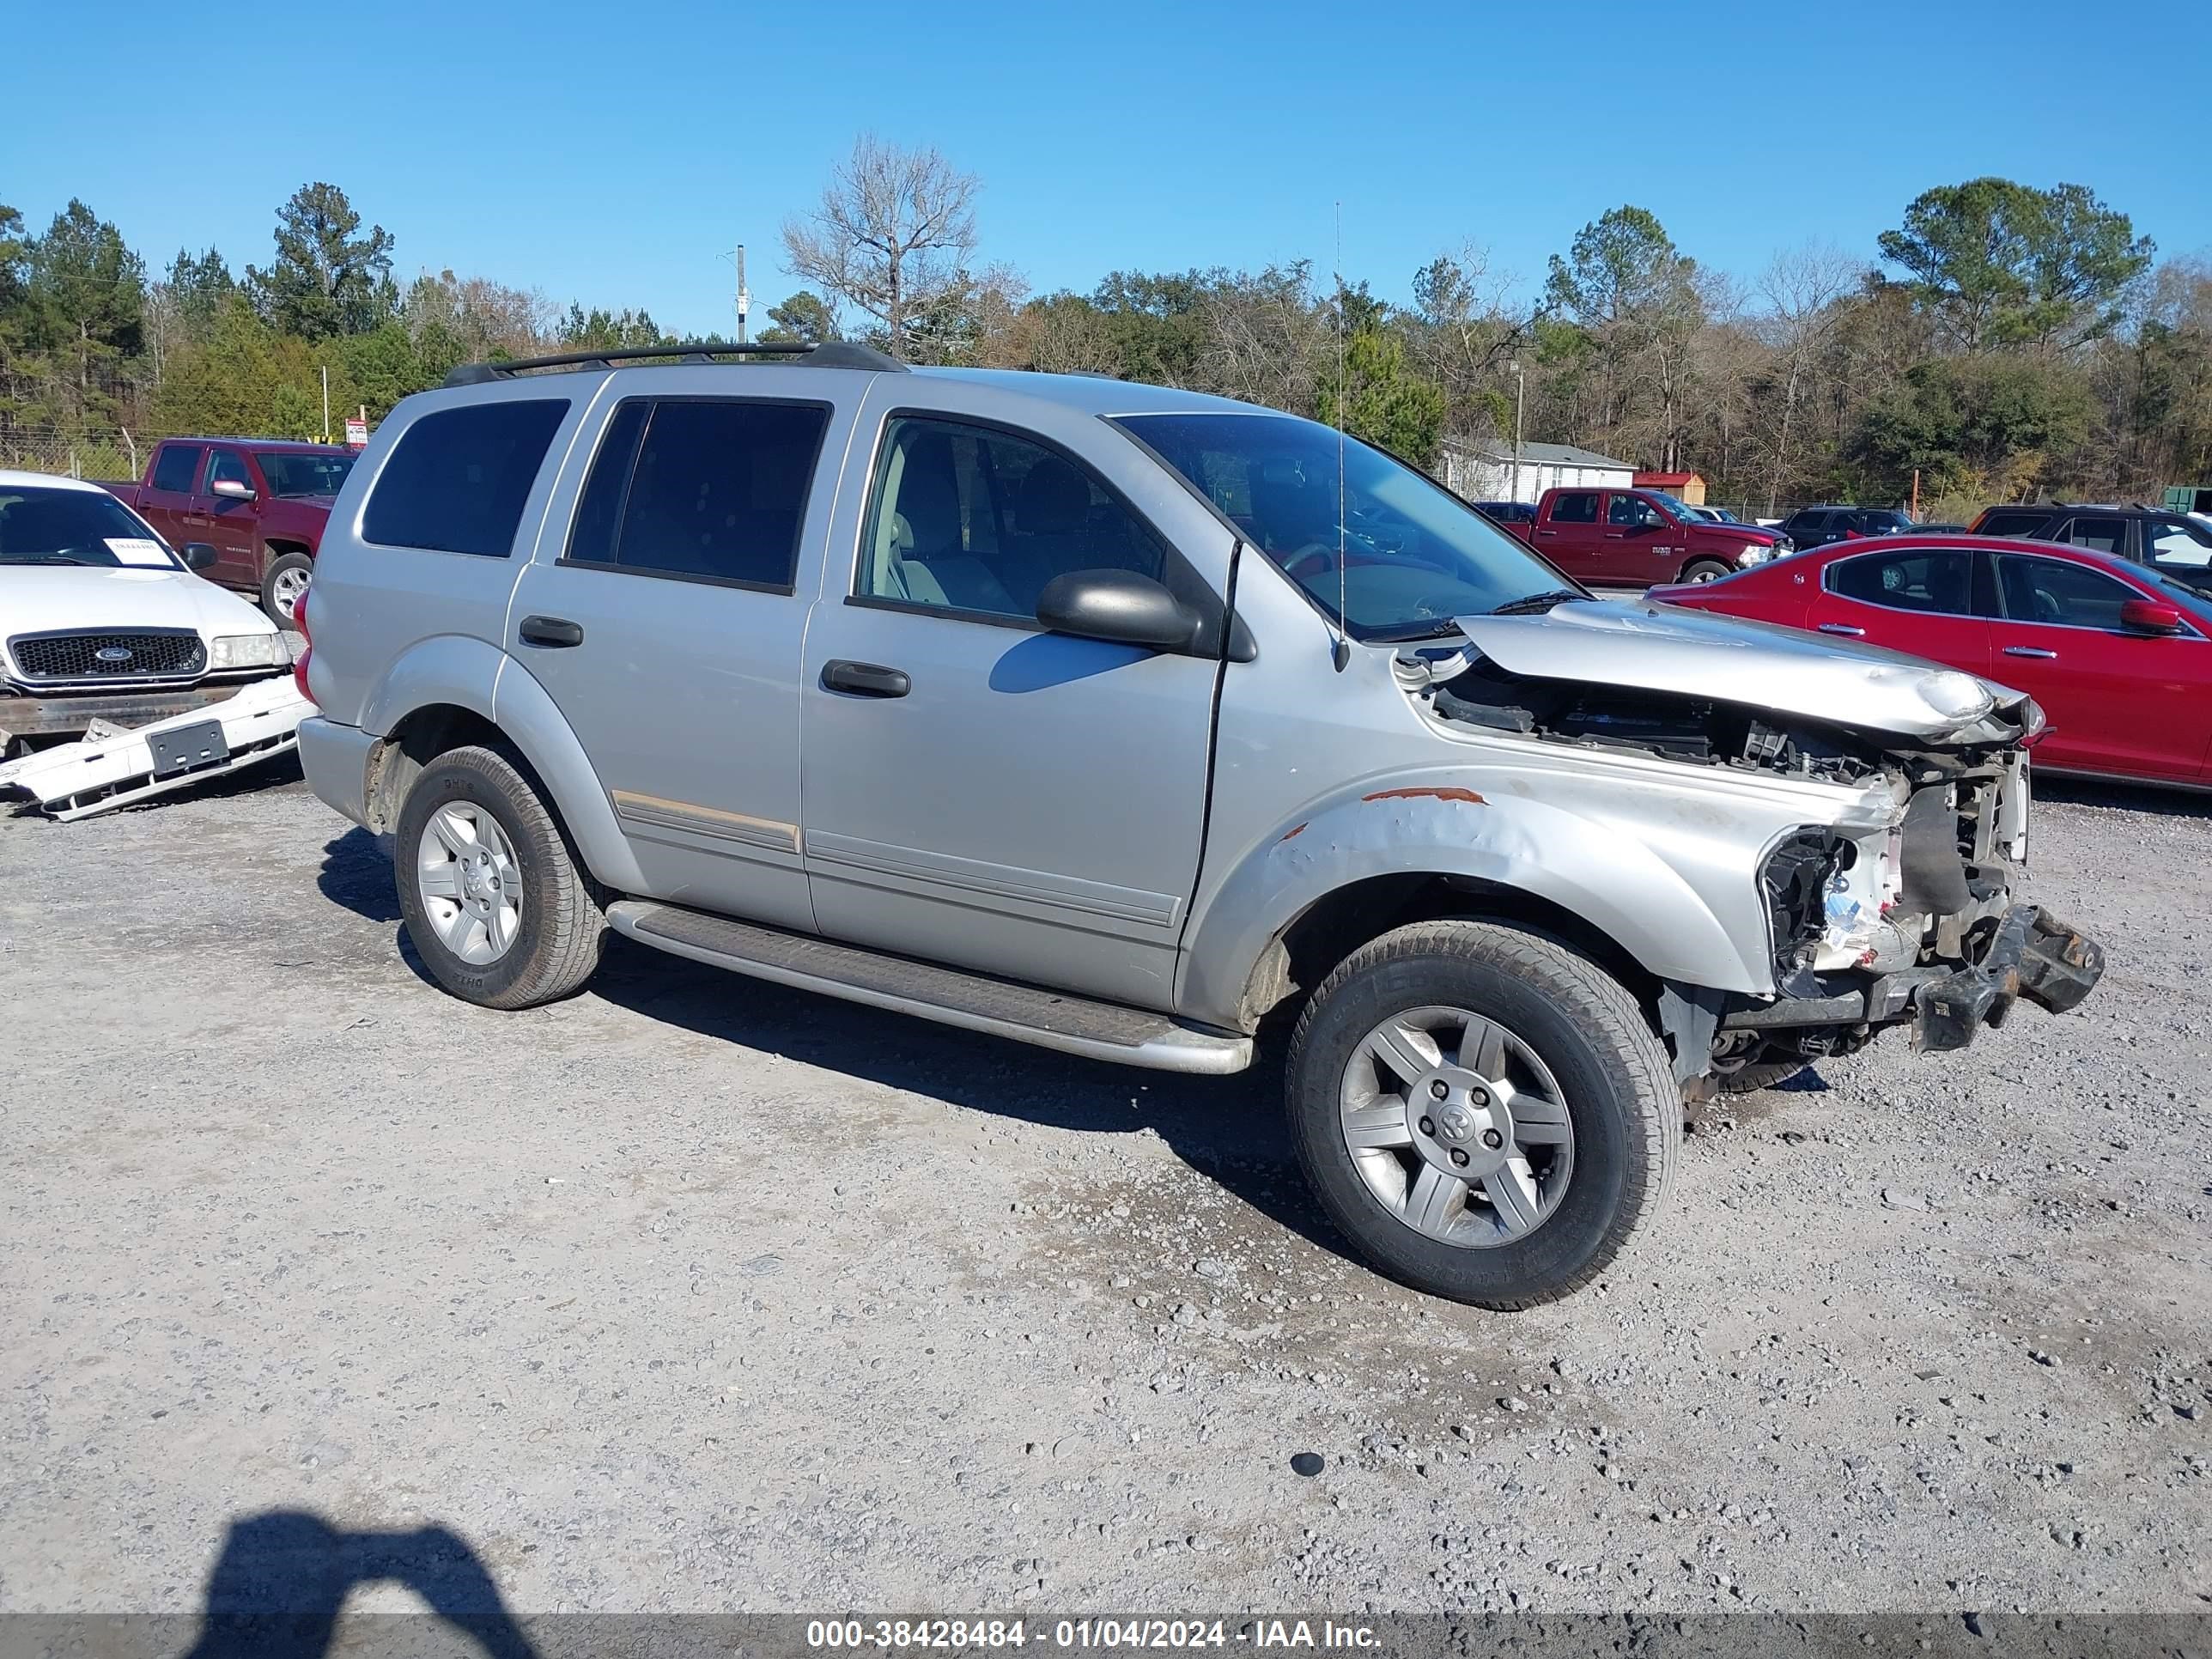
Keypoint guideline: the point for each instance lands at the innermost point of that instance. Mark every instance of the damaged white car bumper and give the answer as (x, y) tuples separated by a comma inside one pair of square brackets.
[(111, 765)]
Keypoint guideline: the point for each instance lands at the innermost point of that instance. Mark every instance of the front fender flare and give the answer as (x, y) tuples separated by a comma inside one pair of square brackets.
[(1440, 827), (468, 673)]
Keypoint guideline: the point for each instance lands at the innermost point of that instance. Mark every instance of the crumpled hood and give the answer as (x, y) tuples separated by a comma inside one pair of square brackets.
[(41, 599), (1699, 654)]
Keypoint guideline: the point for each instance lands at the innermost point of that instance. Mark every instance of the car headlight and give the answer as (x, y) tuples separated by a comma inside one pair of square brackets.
[(248, 651), (1756, 553)]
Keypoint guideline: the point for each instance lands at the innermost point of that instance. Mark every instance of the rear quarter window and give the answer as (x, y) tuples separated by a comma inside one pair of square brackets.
[(2029, 524), (458, 478)]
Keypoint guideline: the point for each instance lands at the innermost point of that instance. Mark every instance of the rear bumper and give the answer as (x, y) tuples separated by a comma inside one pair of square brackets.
[(71, 716), (2032, 955), (335, 757)]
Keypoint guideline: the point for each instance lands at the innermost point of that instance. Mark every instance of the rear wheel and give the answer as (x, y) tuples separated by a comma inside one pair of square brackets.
[(282, 588), (1704, 570), (1487, 1115), (494, 902)]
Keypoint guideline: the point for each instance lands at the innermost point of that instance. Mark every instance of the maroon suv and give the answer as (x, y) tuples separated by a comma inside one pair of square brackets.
[(260, 503), (1637, 537)]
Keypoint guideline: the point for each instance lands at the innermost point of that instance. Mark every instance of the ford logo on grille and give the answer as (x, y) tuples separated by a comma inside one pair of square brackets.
[(112, 653)]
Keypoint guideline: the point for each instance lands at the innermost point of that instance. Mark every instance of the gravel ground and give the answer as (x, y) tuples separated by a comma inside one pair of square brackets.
[(696, 1294)]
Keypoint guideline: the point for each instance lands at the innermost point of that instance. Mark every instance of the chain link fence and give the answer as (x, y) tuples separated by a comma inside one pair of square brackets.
[(78, 454)]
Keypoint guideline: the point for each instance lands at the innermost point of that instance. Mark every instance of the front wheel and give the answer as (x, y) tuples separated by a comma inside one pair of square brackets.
[(1487, 1115), (284, 586), (492, 897), (1704, 570)]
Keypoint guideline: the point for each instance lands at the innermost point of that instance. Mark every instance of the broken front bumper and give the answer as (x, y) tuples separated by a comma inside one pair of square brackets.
[(30, 716), (2032, 954)]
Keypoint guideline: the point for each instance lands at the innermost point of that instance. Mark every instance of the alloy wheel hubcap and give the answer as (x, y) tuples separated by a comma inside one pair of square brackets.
[(1457, 1127), (289, 585), (470, 890)]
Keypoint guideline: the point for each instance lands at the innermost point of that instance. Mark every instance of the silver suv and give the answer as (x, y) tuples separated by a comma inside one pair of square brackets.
[(1136, 723)]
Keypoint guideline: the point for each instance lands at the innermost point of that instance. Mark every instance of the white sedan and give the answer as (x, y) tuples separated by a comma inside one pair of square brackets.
[(106, 633)]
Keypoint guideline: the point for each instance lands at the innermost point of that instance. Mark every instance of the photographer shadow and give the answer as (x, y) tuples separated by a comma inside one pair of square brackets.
[(282, 1578)]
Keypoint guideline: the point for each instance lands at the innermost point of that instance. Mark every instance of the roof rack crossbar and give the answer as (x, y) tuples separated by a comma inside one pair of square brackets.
[(831, 354)]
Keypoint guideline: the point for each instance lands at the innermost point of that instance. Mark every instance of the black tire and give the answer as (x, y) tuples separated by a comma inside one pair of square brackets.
[(1765, 1075), (282, 565), (563, 928), (1623, 1103), (1706, 570)]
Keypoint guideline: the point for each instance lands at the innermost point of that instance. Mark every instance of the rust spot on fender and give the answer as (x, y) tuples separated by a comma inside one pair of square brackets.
[(1289, 834), (1468, 795)]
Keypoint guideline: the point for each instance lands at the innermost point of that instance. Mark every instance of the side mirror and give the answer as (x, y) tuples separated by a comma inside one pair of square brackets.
[(232, 487), (1118, 605), (2150, 617), (199, 556)]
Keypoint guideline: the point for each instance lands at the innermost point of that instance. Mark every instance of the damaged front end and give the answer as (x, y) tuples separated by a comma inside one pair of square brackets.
[(1899, 907)]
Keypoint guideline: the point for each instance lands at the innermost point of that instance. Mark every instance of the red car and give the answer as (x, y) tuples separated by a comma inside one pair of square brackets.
[(260, 503), (1636, 537), (2119, 657)]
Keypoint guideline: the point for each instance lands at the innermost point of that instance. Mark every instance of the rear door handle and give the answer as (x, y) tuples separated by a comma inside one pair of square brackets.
[(1843, 628), (550, 630), (865, 679), (2030, 651)]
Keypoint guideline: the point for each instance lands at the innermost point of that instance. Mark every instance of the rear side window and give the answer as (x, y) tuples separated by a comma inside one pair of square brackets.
[(1580, 507), (705, 490), (2106, 534), (457, 480), (2027, 525), (174, 466), (1939, 582), (1810, 518)]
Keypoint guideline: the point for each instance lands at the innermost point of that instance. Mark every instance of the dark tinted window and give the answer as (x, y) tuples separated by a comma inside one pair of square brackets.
[(1632, 511), (458, 478), (966, 517), (1931, 581), (1809, 517), (1881, 520), (2029, 525), (2053, 591), (1575, 507), (2104, 533), (174, 466), (303, 472), (227, 463), (705, 490)]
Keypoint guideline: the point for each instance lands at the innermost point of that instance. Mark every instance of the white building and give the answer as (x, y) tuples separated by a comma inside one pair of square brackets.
[(1487, 472)]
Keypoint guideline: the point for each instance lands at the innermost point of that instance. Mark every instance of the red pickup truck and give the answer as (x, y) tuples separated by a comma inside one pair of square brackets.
[(260, 503), (1638, 537)]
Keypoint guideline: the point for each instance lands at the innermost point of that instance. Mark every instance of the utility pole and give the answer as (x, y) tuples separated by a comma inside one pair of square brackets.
[(744, 300), (326, 403), (1520, 388)]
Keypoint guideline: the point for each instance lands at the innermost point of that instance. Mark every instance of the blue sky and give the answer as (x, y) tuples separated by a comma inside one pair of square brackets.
[(611, 154)]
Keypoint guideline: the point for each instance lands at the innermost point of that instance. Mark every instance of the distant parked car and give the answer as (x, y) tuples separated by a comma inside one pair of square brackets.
[(261, 503), (1635, 537), (2119, 657), (100, 620), (2177, 544), (1507, 512), (1817, 526)]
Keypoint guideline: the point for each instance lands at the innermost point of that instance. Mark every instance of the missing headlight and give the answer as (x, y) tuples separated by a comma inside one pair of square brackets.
[(1793, 881)]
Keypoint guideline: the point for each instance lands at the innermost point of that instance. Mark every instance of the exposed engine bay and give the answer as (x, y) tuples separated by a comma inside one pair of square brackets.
[(1912, 919)]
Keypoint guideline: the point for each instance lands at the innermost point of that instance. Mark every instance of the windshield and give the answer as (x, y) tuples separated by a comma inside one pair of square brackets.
[(1414, 554), (297, 473), (74, 526)]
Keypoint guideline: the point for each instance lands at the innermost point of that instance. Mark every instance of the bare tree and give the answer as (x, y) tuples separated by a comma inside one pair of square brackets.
[(893, 236), (1803, 288)]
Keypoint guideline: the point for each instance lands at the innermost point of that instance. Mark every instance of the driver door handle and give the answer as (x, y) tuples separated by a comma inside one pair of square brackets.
[(1843, 628), (550, 631), (2030, 651), (865, 679)]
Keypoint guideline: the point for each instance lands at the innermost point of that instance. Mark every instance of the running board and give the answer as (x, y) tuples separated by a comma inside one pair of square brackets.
[(1072, 1024)]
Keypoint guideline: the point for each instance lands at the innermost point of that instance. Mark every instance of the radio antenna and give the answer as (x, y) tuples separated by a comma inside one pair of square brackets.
[(1341, 651)]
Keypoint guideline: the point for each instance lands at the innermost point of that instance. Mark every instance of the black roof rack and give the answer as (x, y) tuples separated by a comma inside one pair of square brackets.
[(831, 354)]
